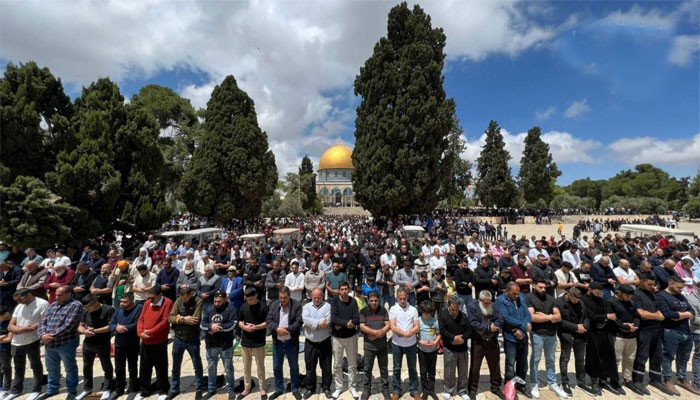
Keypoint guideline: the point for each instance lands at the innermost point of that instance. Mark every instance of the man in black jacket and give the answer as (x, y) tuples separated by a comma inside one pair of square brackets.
[(541, 270), (600, 350), (455, 331), (624, 329), (484, 277), (345, 318), (284, 323), (463, 277), (218, 322), (572, 335), (649, 338), (485, 321)]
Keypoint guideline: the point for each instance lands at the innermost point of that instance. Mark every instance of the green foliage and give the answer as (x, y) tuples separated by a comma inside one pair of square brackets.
[(694, 187), (404, 118), (308, 184), (34, 120), (692, 208), (565, 200), (495, 185), (32, 216), (538, 172), (644, 205), (456, 182), (233, 170), (587, 188)]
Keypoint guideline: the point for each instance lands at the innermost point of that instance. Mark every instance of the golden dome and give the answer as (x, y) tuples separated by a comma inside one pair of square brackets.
[(338, 156)]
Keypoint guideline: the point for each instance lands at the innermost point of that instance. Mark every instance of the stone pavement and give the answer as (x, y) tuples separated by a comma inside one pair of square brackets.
[(187, 381)]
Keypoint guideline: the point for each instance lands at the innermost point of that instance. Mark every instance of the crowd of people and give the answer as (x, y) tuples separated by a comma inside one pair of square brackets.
[(618, 303)]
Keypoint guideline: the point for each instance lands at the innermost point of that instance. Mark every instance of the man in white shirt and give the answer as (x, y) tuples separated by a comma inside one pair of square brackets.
[(388, 258), (143, 259), (625, 275), (204, 262), (25, 320), (537, 251), (565, 278), (572, 256), (437, 261), (143, 282), (404, 326), (317, 349), (473, 245), (294, 281)]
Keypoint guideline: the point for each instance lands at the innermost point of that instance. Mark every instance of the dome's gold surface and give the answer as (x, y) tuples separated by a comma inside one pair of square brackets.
[(338, 156)]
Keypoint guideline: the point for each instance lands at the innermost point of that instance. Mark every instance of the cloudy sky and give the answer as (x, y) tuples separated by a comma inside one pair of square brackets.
[(612, 84)]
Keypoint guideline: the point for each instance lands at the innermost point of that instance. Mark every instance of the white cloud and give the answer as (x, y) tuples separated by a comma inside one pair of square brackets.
[(639, 17), (647, 149), (577, 109), (565, 147), (546, 114), (288, 56), (683, 49)]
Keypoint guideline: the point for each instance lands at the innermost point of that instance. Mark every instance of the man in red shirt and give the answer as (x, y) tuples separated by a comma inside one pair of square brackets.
[(521, 274), (153, 329), (61, 275)]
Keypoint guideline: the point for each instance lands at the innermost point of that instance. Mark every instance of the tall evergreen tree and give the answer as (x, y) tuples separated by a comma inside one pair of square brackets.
[(308, 182), (495, 186), (233, 170), (35, 118), (404, 118), (538, 172), (458, 178)]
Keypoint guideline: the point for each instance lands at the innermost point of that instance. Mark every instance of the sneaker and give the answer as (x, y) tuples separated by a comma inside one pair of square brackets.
[(84, 394), (139, 396), (535, 392), (45, 395), (354, 393), (446, 396), (336, 394), (554, 387), (105, 395), (565, 387), (12, 396), (163, 397), (465, 396)]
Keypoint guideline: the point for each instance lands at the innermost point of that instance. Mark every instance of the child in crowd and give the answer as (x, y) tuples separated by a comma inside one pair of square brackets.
[(428, 339)]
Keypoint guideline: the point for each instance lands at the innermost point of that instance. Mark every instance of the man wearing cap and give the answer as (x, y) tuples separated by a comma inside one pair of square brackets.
[(232, 284), (123, 325), (600, 350), (295, 281), (218, 322), (143, 282), (25, 343), (677, 337), (572, 336), (624, 329), (59, 333), (284, 321), (185, 317), (61, 275), (95, 327), (317, 349), (649, 339), (153, 329)]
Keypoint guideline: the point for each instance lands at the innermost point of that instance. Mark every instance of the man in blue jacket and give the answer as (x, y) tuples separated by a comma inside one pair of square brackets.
[(284, 322), (486, 321), (126, 343), (516, 324)]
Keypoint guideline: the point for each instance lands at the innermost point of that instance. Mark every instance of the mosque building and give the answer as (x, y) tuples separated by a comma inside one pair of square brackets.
[(334, 178)]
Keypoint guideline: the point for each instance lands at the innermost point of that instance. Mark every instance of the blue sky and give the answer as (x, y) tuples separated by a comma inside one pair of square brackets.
[(611, 84)]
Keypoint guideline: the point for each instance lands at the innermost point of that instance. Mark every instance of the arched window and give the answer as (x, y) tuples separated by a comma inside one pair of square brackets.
[(347, 192), (324, 192)]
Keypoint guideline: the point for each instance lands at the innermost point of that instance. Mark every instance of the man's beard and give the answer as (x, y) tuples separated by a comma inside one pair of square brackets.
[(486, 310)]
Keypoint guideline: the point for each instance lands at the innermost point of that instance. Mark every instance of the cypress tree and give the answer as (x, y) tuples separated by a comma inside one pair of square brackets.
[(233, 170), (308, 182), (538, 172), (404, 118), (495, 186)]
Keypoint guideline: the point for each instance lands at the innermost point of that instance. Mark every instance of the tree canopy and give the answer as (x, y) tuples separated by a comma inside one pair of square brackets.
[(495, 185), (404, 117), (538, 172)]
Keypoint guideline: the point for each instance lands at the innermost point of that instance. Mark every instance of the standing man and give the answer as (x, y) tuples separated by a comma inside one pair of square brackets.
[(333, 281), (34, 279), (345, 316), (404, 326), (284, 324), (25, 344), (124, 326), (314, 278), (408, 279), (694, 301), (318, 348), (572, 336), (143, 282), (218, 322), (82, 281), (464, 280), (455, 330), (624, 330), (209, 283), (153, 329), (386, 285), (516, 324), (649, 337), (678, 339), (61, 276), (252, 319), (295, 281), (274, 282), (59, 333), (485, 321), (97, 342), (374, 324), (543, 336), (185, 317), (167, 280)]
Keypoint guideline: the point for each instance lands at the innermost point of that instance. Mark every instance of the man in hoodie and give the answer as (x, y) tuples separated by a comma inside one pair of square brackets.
[(218, 321), (185, 317), (153, 329)]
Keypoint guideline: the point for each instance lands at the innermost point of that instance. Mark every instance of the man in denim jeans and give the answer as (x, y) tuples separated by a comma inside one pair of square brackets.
[(516, 325), (678, 340), (284, 321), (543, 336), (185, 317), (218, 321)]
